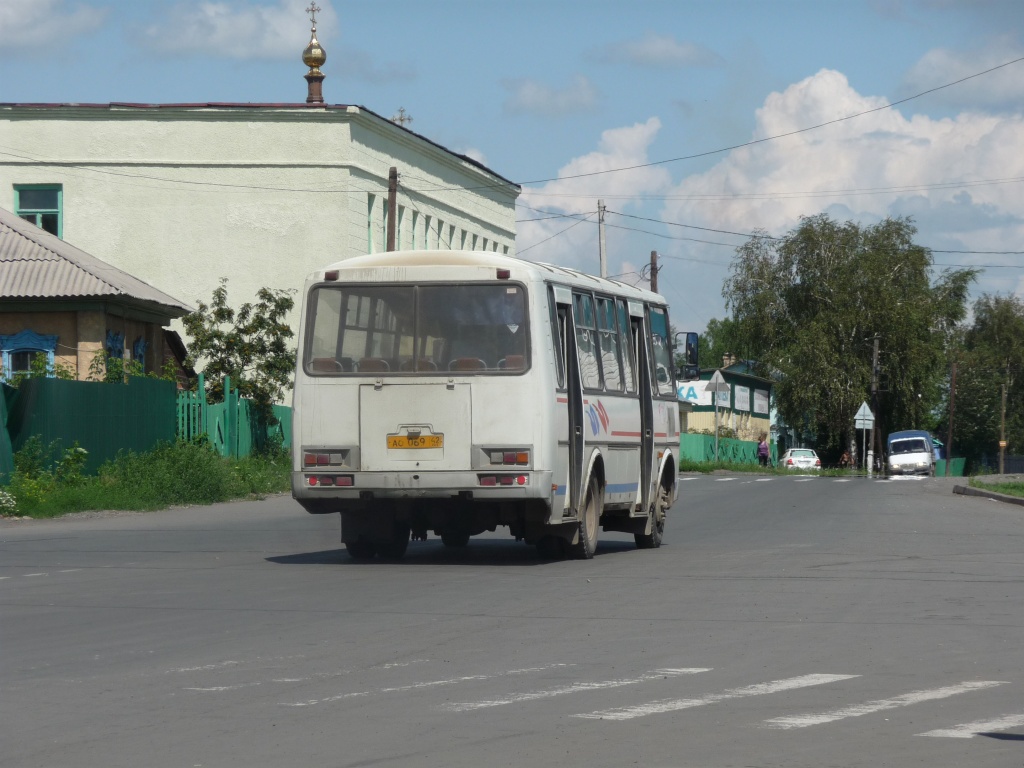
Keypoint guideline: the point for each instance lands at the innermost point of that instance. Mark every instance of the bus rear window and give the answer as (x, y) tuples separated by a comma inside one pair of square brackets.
[(360, 329)]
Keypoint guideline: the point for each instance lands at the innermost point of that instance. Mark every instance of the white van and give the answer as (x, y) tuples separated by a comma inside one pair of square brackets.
[(911, 452)]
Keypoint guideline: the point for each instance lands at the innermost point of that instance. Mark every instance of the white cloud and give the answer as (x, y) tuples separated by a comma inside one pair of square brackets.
[(29, 23), (563, 240), (1002, 90), (474, 154), (240, 30), (533, 97), (660, 52), (867, 168)]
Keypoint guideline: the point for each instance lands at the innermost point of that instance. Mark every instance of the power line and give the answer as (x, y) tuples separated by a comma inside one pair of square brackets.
[(791, 195), (557, 234), (754, 142)]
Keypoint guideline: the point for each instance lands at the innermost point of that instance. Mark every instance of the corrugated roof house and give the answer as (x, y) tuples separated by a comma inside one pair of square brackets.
[(59, 300)]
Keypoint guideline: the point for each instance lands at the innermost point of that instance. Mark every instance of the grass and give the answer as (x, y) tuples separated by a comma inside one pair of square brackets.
[(687, 465), (170, 475), (1010, 489)]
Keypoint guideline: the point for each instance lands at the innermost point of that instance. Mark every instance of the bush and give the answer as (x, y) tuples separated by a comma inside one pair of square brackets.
[(172, 474)]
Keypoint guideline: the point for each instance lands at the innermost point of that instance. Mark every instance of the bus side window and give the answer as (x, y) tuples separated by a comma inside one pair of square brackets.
[(627, 346), (586, 340), (556, 339), (608, 338), (661, 359)]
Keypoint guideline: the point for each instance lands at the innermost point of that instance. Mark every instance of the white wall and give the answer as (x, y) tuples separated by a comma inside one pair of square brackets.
[(182, 196)]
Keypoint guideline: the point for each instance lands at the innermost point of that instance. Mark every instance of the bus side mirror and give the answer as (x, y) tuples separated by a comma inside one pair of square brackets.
[(690, 368)]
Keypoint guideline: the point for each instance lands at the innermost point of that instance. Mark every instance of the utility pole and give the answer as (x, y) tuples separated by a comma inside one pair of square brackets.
[(654, 271), (1002, 436), (600, 238), (874, 405), (952, 406), (392, 206)]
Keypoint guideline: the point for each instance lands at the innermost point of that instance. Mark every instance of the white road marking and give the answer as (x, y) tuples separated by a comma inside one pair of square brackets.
[(842, 480), (37, 574), (724, 479), (69, 570), (419, 686), (764, 480), (515, 698), (970, 730), (205, 668), (672, 705), (803, 479), (220, 688), (870, 707), (4, 577)]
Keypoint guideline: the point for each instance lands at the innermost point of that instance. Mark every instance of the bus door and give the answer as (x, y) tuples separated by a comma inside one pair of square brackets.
[(642, 353), (569, 465)]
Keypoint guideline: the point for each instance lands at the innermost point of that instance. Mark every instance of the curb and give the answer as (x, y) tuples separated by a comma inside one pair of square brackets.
[(966, 490)]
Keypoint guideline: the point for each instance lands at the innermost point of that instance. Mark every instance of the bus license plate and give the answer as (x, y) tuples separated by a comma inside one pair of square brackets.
[(423, 441)]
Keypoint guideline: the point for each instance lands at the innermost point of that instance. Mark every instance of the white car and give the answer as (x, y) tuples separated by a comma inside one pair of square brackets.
[(800, 458)]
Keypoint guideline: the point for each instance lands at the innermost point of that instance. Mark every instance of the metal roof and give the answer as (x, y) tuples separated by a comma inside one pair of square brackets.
[(37, 265)]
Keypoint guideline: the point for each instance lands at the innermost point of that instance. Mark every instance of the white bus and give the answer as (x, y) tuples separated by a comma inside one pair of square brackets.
[(459, 391)]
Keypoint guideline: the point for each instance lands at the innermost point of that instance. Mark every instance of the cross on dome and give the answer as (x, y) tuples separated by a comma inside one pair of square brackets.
[(313, 10)]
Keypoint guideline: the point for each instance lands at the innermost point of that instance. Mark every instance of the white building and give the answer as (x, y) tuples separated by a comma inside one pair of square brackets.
[(181, 195)]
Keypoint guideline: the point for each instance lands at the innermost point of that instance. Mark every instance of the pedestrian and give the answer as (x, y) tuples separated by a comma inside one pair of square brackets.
[(762, 450), (844, 460)]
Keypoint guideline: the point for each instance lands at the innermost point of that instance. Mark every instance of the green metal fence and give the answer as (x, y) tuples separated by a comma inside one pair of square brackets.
[(102, 418), (701, 448), (6, 449), (954, 468), (107, 418)]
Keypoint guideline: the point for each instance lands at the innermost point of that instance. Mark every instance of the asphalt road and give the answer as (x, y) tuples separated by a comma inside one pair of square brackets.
[(785, 622)]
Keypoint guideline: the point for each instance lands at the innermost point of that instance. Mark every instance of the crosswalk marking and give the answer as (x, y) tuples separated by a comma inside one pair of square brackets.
[(867, 708), (418, 686), (672, 705), (515, 698), (970, 730)]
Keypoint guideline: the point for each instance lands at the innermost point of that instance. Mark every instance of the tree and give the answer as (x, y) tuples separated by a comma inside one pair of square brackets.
[(720, 338), (808, 306), (250, 346), (989, 356)]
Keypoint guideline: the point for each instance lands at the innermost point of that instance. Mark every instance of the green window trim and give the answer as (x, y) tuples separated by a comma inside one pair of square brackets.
[(42, 205)]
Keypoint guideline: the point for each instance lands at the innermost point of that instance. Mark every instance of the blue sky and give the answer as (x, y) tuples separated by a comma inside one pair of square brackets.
[(562, 95)]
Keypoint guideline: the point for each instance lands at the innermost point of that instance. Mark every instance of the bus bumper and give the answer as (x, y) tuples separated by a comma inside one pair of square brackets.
[(320, 493)]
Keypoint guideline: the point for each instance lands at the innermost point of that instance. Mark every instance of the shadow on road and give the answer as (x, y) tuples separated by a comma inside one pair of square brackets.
[(483, 552)]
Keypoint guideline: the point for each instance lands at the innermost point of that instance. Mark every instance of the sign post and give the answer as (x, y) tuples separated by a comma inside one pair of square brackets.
[(716, 385), (865, 420)]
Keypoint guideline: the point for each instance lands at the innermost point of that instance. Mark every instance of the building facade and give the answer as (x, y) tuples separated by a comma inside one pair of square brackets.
[(182, 195), (745, 410), (76, 310)]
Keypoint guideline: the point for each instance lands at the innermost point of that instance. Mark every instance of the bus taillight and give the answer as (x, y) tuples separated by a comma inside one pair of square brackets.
[(341, 481), (491, 481), (324, 459), (510, 457)]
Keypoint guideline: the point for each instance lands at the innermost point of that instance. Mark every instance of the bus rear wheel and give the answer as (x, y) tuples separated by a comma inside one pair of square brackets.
[(586, 538), (361, 549), (394, 548), (455, 538), (656, 523)]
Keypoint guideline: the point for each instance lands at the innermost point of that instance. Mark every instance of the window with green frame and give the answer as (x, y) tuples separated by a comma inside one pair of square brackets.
[(42, 205)]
